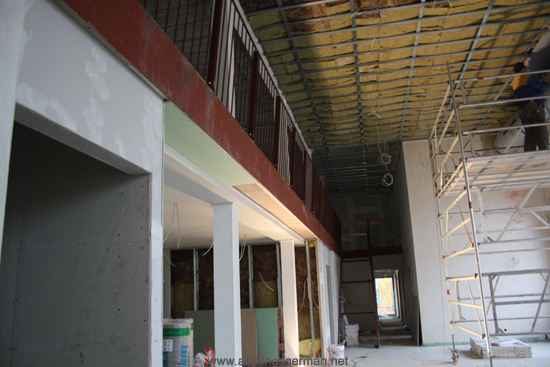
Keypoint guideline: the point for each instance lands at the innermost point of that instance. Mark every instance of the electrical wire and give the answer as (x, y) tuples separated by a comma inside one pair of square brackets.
[(169, 229), (171, 222), (303, 298), (243, 248), (167, 258), (384, 158), (210, 248), (262, 278)]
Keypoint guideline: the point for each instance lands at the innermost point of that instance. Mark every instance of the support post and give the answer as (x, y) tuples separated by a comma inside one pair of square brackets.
[(13, 15), (292, 156), (195, 279), (214, 44), (250, 278), (227, 303), (290, 301), (277, 141), (252, 109), (310, 293)]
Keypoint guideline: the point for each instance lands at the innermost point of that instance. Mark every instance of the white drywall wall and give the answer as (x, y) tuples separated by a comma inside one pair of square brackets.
[(290, 301), (329, 281), (71, 89), (517, 256), (421, 247), (11, 28)]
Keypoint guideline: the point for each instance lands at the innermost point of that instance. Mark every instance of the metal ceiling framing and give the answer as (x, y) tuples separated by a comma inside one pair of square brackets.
[(346, 98), (310, 95), (404, 22)]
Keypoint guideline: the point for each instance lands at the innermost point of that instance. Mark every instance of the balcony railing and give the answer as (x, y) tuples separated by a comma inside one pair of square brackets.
[(216, 38)]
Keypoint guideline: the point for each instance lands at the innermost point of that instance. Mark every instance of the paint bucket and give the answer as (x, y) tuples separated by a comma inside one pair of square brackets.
[(337, 351), (177, 337)]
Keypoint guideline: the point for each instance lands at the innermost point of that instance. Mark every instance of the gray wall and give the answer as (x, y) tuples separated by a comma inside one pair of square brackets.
[(359, 209), (74, 269)]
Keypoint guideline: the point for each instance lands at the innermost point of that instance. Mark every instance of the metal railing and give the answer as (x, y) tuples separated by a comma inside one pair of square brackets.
[(216, 38)]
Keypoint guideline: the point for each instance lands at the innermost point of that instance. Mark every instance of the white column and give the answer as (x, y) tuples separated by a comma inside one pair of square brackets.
[(290, 302), (12, 15), (227, 291)]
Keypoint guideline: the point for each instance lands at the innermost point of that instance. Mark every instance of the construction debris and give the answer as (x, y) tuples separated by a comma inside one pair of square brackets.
[(501, 348), (352, 335)]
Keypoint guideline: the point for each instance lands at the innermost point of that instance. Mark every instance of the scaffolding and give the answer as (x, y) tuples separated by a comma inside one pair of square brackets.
[(493, 214)]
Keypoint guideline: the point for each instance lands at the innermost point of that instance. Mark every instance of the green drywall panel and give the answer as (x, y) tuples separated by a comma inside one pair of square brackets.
[(267, 343), (187, 138)]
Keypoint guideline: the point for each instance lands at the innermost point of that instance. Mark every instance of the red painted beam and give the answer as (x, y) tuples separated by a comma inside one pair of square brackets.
[(126, 28)]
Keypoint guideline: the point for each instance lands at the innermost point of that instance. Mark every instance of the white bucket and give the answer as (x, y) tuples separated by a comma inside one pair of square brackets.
[(337, 351)]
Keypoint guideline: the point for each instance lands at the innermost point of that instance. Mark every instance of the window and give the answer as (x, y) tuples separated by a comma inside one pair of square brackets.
[(387, 290)]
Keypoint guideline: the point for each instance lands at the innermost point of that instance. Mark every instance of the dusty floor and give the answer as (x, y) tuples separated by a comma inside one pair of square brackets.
[(401, 353)]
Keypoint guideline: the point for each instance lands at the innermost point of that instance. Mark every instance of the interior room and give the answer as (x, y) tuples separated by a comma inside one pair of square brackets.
[(291, 182)]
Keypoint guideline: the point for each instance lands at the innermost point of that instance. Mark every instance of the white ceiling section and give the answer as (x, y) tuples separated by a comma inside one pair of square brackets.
[(194, 192)]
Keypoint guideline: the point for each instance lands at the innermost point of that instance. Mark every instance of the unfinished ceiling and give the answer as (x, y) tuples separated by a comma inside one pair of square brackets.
[(362, 76)]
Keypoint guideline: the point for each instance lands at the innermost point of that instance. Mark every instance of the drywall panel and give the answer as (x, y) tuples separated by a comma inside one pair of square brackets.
[(335, 271), (76, 281), (266, 330), (203, 329), (268, 344), (11, 25), (71, 89), (421, 238), (290, 302), (324, 274), (248, 333), (328, 265), (87, 91), (186, 137), (503, 257), (401, 192)]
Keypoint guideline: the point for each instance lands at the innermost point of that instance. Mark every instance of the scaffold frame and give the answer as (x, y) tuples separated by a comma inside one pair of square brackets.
[(463, 178)]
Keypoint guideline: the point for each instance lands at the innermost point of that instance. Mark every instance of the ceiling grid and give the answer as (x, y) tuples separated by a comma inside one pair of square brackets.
[(334, 76), (302, 74)]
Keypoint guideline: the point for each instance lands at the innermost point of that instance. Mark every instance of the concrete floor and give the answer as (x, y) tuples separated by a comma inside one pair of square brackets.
[(401, 353)]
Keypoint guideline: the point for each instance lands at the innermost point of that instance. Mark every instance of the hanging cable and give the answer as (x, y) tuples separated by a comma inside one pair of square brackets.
[(167, 258), (268, 287), (243, 248), (171, 222), (210, 248), (179, 227), (384, 158), (303, 298), (169, 229)]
